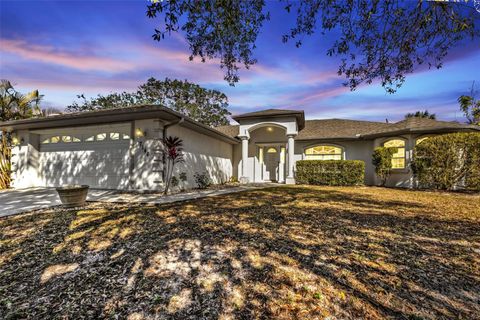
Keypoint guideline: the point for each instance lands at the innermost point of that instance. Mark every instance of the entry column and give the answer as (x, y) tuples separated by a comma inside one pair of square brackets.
[(291, 148), (244, 177)]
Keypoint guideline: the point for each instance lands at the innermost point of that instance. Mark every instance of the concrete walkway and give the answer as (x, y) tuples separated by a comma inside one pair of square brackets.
[(22, 200)]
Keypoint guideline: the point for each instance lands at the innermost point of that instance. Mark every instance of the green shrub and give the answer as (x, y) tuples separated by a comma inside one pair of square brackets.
[(382, 160), (174, 181), (202, 180), (330, 172), (447, 161)]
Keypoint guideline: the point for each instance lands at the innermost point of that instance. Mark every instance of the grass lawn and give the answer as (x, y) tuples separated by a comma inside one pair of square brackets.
[(282, 253)]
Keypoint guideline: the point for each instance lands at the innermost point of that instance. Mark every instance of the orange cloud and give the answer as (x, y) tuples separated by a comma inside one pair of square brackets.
[(49, 54)]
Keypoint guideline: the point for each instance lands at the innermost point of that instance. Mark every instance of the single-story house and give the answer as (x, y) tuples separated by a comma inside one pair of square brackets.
[(119, 148)]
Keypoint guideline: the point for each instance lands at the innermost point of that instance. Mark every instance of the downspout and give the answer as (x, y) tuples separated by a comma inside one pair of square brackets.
[(164, 134)]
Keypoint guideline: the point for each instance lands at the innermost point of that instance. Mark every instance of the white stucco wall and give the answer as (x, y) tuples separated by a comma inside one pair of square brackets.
[(353, 150), (25, 161), (117, 164), (203, 154)]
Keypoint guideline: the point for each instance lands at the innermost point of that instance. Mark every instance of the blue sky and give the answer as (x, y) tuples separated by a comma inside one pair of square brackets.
[(65, 48)]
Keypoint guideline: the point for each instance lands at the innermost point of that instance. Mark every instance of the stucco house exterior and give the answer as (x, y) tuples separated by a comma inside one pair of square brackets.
[(119, 148)]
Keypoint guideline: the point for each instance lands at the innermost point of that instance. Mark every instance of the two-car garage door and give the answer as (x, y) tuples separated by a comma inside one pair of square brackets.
[(96, 156)]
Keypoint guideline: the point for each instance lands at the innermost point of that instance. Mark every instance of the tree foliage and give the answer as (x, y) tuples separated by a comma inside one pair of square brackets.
[(382, 160), (201, 104), (421, 114), (13, 106), (470, 106), (447, 161), (377, 40)]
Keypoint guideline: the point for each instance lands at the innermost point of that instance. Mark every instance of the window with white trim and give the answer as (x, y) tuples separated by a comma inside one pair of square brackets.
[(324, 152), (398, 159), (420, 140)]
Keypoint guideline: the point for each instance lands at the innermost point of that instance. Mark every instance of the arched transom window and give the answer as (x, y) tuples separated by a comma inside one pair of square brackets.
[(398, 160), (324, 153), (420, 140)]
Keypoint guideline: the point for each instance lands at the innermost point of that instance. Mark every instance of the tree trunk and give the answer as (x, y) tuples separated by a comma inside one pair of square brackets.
[(5, 162)]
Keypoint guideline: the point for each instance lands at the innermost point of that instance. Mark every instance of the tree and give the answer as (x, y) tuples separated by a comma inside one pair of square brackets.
[(172, 148), (448, 161), (470, 106), (421, 114), (13, 106), (201, 104), (377, 39), (382, 160)]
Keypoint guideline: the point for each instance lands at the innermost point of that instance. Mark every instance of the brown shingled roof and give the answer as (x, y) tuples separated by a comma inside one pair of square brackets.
[(354, 129), (338, 129)]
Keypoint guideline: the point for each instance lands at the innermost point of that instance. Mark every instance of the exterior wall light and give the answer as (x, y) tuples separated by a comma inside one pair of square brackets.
[(269, 129), (139, 133), (17, 141)]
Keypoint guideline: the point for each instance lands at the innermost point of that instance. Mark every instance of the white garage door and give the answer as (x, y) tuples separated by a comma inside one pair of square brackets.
[(96, 156)]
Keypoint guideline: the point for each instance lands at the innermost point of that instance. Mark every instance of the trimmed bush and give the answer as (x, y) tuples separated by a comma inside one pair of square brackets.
[(382, 160), (202, 180), (330, 172), (448, 161)]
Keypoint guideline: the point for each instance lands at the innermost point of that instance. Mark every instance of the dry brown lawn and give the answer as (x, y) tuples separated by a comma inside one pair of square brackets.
[(279, 253)]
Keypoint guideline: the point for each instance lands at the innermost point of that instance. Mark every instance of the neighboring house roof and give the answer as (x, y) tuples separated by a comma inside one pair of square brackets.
[(355, 129), (124, 114), (274, 113)]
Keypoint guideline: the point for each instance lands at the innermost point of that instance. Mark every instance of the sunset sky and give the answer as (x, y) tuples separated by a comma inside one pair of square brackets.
[(66, 48)]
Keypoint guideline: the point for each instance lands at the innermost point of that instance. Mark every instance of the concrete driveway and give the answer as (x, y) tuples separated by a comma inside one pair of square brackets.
[(22, 200)]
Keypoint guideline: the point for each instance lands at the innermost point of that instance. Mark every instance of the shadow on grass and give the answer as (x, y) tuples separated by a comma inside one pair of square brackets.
[(297, 252)]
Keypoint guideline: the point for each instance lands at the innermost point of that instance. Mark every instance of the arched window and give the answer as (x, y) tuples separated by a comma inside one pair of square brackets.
[(324, 153), (398, 160), (271, 150), (419, 140)]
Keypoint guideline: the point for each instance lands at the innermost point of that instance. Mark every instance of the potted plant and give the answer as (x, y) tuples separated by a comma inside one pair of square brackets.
[(73, 195)]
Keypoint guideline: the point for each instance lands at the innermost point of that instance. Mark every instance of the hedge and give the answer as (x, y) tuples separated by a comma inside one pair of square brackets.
[(448, 161), (330, 172)]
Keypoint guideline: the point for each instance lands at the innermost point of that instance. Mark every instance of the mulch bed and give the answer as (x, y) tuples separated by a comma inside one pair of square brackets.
[(279, 253)]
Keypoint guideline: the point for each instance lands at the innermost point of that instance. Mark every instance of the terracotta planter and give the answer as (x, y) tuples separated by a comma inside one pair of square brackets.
[(73, 196)]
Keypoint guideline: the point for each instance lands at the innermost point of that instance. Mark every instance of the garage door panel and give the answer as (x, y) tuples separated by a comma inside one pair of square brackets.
[(100, 164)]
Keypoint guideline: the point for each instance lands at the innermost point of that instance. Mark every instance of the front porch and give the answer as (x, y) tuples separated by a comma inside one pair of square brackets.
[(268, 146)]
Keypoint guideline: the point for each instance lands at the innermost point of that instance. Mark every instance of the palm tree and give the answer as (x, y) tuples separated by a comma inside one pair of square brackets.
[(13, 105), (421, 114)]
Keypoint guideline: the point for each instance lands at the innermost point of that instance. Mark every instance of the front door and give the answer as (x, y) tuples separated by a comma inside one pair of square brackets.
[(272, 159)]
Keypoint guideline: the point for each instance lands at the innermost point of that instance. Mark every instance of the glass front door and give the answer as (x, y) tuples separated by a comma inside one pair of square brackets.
[(272, 160)]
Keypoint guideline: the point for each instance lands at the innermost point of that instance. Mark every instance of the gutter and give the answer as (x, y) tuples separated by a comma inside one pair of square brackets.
[(171, 124)]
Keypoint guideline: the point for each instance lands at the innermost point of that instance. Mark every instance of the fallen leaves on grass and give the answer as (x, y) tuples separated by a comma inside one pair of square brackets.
[(284, 253)]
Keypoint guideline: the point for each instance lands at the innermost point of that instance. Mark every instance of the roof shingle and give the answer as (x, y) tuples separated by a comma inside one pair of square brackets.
[(354, 129)]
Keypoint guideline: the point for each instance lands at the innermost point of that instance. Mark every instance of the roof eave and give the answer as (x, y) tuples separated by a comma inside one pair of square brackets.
[(420, 130), (300, 116), (113, 116)]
